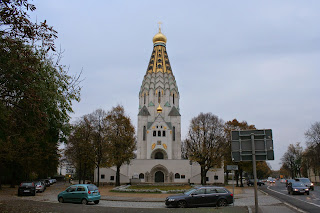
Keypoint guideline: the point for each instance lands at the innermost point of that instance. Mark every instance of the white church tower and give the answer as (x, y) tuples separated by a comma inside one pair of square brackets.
[(159, 131), (159, 119)]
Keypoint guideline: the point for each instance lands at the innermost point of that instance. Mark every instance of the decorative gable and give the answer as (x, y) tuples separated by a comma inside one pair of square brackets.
[(144, 111), (174, 112)]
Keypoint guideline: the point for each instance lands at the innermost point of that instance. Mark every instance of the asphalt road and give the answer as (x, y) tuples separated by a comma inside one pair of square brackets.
[(307, 203)]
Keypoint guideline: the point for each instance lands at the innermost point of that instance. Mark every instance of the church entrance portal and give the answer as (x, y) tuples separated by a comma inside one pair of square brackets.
[(159, 177)]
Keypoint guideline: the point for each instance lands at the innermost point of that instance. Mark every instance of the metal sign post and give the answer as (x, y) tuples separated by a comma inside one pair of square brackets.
[(232, 168), (254, 173), (252, 145)]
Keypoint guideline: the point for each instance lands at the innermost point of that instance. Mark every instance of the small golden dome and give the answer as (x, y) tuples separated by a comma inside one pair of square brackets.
[(159, 109), (159, 37)]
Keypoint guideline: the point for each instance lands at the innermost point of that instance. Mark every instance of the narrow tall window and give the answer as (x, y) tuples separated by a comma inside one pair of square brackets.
[(144, 132), (144, 98), (154, 133), (159, 97), (159, 133), (173, 98), (174, 133)]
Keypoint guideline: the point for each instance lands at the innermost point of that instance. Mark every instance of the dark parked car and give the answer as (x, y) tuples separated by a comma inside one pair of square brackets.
[(46, 182), (80, 193), (250, 182), (27, 187), (297, 188), (201, 196), (306, 182)]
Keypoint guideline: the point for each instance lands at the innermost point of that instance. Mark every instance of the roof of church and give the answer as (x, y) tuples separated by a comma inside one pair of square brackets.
[(159, 71)]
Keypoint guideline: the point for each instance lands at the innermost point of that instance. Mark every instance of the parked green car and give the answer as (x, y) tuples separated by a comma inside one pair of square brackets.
[(80, 193)]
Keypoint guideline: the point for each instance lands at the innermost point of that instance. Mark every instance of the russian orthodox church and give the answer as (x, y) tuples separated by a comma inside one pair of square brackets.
[(159, 130)]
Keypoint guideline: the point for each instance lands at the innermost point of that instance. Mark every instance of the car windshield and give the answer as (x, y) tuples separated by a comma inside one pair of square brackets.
[(92, 187), (297, 184), (190, 191), (26, 184), (305, 180)]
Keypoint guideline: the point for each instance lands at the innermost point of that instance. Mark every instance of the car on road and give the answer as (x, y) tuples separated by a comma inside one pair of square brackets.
[(46, 182), (289, 181), (27, 187), (80, 193), (250, 182), (40, 186), (297, 188), (306, 182), (201, 196)]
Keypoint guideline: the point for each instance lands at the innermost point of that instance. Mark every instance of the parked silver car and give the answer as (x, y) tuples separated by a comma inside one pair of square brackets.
[(40, 186)]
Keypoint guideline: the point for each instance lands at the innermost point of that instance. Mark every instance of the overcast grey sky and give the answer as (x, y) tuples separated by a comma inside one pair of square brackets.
[(256, 61)]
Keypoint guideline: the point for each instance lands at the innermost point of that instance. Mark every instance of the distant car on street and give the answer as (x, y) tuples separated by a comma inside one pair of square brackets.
[(201, 196), (250, 182), (80, 193), (289, 181), (27, 187), (297, 188), (306, 182)]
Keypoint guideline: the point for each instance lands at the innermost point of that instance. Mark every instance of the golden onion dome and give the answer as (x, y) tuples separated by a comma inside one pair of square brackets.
[(159, 37), (159, 109)]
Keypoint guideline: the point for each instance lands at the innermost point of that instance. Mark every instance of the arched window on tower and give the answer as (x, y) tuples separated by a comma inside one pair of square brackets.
[(177, 176), (173, 133), (144, 133), (173, 98), (159, 155), (159, 97), (144, 98)]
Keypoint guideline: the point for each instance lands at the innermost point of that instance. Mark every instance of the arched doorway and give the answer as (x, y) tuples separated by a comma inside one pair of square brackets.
[(159, 154), (159, 177)]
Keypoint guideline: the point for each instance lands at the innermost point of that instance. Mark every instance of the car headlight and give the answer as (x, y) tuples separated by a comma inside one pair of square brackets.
[(170, 199), (306, 189), (311, 184), (295, 190)]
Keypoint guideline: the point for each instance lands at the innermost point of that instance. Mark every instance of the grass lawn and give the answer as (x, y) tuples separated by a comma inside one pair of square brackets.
[(162, 188)]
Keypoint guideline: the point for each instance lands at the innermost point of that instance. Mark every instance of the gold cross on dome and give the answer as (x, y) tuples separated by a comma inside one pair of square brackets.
[(159, 26)]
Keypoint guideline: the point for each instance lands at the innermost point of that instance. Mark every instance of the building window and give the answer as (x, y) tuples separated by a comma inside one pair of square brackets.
[(177, 176), (207, 178), (144, 133), (216, 177), (159, 61), (173, 98), (174, 133), (183, 177), (159, 66), (164, 133), (111, 177), (159, 133), (141, 176), (102, 176), (154, 133), (159, 97), (144, 98)]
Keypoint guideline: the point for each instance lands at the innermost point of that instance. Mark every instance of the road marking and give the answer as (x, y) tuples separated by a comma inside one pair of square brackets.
[(293, 197), (291, 206)]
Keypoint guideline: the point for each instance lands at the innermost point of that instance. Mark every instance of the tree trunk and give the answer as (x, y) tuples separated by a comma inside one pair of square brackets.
[(241, 182), (118, 176), (203, 176), (98, 177), (13, 178), (227, 178)]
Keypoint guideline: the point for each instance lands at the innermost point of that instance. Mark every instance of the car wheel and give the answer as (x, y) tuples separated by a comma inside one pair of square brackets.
[(312, 189), (182, 204), (60, 200), (34, 194), (96, 202), (288, 192), (307, 193), (222, 202), (84, 201)]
